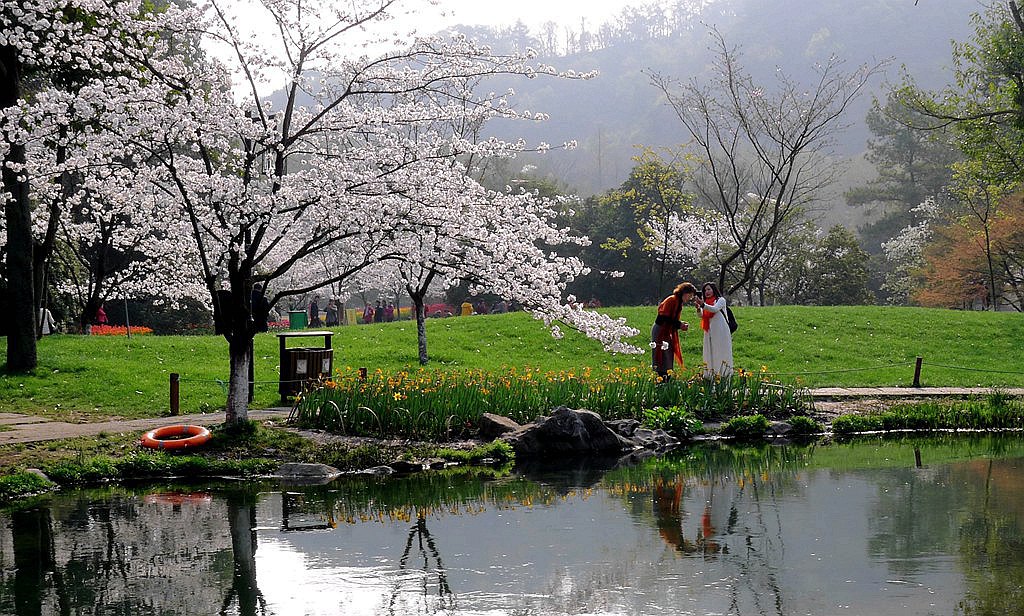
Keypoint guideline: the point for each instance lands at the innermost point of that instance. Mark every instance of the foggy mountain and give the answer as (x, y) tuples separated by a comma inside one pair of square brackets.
[(608, 115)]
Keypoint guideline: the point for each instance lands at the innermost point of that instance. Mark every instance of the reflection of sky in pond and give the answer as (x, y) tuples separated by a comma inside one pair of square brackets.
[(837, 530), (798, 548)]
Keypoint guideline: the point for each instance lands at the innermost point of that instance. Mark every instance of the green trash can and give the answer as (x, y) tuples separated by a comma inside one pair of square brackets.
[(297, 319)]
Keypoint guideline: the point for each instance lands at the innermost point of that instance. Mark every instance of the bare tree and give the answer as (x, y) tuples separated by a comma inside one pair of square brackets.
[(775, 144)]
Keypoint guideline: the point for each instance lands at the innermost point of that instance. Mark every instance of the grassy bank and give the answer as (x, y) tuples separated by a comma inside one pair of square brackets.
[(93, 377)]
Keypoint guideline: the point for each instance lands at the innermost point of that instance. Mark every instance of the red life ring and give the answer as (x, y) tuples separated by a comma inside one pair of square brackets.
[(171, 437)]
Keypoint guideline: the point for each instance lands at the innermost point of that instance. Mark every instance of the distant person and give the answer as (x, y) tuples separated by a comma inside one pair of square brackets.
[(331, 313), (101, 316), (367, 314), (467, 309), (314, 312), (665, 332), (47, 325), (378, 312), (389, 312), (717, 338)]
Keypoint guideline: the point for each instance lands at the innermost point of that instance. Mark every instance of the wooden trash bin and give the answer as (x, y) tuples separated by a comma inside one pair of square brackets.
[(300, 365)]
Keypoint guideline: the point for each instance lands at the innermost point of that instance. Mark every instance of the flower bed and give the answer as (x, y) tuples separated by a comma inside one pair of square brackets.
[(120, 330), (436, 404)]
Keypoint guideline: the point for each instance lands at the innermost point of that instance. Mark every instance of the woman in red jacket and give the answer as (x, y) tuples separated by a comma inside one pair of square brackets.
[(665, 333)]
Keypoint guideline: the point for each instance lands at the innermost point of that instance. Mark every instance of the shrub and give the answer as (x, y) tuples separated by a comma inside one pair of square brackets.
[(995, 413), (499, 451), (746, 427), (22, 484), (805, 425), (145, 464), (850, 424), (346, 458), (675, 420), (998, 399)]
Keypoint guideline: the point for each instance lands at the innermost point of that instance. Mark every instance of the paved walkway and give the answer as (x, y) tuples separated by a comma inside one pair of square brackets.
[(18, 428), (909, 393)]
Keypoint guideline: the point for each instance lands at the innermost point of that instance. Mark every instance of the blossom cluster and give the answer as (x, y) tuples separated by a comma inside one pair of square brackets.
[(172, 158)]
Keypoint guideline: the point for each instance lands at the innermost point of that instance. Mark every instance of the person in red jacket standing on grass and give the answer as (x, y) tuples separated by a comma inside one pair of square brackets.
[(665, 332)]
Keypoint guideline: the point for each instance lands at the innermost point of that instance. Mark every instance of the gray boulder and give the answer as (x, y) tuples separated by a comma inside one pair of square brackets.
[(567, 431), (654, 439), (378, 470), (307, 474), (407, 466), (492, 426), (624, 427)]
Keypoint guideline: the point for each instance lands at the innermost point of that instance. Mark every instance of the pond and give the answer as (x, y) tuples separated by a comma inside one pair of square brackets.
[(923, 525)]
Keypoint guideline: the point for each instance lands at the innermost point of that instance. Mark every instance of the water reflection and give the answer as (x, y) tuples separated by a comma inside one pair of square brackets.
[(860, 528)]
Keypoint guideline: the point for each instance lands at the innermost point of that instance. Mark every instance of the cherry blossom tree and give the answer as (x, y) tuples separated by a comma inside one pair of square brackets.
[(905, 252), (298, 194), (773, 141), (61, 48), (82, 59), (117, 242), (345, 171)]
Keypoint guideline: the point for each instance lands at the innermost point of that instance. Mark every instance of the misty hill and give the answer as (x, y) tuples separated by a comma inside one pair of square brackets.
[(608, 115)]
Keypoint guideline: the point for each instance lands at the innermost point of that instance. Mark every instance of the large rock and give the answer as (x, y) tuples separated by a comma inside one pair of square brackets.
[(307, 474), (655, 439), (624, 427), (567, 431), (492, 426)]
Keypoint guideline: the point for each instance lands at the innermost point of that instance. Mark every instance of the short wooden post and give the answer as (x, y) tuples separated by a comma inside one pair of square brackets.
[(917, 372), (917, 457), (175, 405), (362, 374)]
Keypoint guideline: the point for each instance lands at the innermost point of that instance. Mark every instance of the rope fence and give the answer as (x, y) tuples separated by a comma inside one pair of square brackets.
[(965, 369), (176, 380), (841, 370)]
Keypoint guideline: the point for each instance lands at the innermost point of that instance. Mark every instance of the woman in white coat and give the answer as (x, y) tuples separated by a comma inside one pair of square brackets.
[(717, 338)]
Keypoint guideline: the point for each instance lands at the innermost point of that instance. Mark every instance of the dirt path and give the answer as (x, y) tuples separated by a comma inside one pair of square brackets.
[(19, 428)]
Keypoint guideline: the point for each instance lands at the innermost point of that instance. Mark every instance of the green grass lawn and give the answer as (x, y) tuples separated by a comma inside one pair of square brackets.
[(102, 376)]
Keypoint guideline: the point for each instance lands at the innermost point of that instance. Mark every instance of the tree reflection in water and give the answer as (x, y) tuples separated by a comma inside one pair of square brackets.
[(420, 536), (743, 527), (34, 562), (241, 505)]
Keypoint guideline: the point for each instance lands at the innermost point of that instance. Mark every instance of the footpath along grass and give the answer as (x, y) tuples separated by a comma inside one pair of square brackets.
[(103, 376)]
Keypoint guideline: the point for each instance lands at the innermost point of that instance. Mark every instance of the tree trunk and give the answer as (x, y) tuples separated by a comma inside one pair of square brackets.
[(237, 409), (88, 315), (991, 268), (233, 319), (421, 326), (21, 333)]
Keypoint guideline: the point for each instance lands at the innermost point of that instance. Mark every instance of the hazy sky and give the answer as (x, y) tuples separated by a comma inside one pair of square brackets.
[(531, 12)]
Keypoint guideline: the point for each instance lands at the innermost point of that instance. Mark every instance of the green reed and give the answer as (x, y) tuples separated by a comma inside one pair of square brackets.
[(436, 405)]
